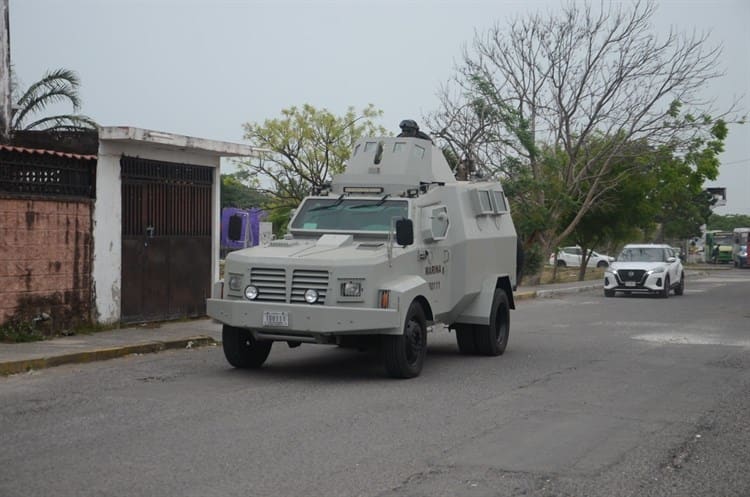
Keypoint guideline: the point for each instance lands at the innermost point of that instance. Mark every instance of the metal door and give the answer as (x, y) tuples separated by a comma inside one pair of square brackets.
[(166, 239)]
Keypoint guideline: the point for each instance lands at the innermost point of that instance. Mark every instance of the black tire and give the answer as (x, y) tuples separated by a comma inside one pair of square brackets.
[(404, 354), (242, 350), (466, 339), (491, 340), (609, 293), (665, 291), (680, 289), (602, 264), (561, 263)]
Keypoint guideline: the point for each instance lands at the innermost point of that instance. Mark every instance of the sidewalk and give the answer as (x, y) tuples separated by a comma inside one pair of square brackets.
[(21, 357)]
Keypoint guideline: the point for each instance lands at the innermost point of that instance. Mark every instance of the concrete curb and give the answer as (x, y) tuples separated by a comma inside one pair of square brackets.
[(20, 366)]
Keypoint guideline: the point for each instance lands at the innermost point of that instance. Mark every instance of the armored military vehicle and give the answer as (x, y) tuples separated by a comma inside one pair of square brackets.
[(394, 246)]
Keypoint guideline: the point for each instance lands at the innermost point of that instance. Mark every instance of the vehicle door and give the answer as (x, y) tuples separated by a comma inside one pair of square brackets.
[(576, 256), (437, 256)]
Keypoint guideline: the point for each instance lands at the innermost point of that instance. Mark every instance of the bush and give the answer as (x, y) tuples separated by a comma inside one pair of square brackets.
[(15, 331)]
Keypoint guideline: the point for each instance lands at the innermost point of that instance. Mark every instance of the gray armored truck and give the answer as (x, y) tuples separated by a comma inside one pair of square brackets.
[(394, 246)]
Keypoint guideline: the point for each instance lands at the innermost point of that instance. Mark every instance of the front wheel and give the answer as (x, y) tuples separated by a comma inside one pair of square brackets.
[(561, 263), (492, 339), (680, 289), (609, 293), (404, 354), (241, 349), (602, 264), (665, 292)]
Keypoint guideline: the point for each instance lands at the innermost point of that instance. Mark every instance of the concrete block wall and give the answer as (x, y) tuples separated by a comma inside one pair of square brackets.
[(45, 261)]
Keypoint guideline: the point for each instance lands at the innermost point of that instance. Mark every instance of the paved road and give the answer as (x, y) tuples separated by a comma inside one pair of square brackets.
[(631, 396)]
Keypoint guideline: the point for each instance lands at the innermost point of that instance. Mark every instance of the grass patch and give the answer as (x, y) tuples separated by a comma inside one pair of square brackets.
[(569, 274)]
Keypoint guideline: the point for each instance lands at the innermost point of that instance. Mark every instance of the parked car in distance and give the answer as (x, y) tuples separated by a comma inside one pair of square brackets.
[(571, 257), (645, 268)]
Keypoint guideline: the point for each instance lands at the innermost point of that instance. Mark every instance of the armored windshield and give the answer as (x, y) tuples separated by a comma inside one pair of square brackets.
[(348, 214)]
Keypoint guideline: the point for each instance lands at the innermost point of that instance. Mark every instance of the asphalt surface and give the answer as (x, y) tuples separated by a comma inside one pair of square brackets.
[(595, 396), (158, 337)]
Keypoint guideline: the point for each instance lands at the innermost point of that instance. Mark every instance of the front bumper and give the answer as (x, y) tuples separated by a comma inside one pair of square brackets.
[(649, 283), (305, 322)]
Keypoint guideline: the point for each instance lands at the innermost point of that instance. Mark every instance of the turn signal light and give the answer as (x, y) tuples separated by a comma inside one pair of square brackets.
[(385, 299)]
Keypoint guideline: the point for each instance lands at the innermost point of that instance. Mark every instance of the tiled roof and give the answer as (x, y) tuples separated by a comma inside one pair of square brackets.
[(39, 151)]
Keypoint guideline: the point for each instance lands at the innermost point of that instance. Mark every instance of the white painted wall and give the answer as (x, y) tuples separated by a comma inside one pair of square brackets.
[(107, 260)]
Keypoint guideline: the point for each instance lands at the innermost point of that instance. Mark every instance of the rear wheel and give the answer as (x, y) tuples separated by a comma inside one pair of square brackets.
[(404, 354), (601, 264), (680, 289), (561, 263), (241, 349), (492, 339), (465, 338)]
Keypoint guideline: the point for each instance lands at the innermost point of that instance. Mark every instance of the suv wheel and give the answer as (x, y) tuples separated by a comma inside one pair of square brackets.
[(609, 293), (665, 292), (602, 264), (561, 263), (680, 289)]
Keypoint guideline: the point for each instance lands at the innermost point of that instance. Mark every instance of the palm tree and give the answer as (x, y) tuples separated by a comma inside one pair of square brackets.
[(58, 86)]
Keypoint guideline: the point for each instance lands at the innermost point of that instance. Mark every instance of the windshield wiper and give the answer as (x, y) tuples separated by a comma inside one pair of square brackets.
[(338, 202), (381, 202)]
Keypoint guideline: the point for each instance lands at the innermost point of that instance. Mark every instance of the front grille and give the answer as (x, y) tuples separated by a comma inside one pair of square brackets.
[(631, 275), (270, 282), (309, 279)]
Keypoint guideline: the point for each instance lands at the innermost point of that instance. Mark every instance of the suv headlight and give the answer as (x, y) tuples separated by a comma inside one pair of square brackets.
[(351, 288), (658, 270)]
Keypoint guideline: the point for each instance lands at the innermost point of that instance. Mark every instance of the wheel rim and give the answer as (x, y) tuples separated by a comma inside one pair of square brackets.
[(414, 341)]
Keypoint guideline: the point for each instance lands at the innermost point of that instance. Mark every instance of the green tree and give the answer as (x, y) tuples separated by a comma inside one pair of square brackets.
[(235, 193), (60, 86), (728, 222), (534, 95), (306, 146)]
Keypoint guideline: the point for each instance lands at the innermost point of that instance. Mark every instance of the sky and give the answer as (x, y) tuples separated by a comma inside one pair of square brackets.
[(205, 67)]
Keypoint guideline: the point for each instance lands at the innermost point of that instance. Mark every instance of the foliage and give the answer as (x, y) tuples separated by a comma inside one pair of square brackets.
[(728, 222), (306, 146), (553, 103), (236, 193), (56, 87)]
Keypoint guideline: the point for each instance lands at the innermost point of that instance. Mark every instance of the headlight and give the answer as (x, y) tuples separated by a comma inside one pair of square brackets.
[(235, 282), (658, 270), (251, 293), (351, 289), (311, 296)]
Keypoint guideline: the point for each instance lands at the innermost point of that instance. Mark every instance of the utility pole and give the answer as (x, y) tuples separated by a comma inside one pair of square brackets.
[(5, 102)]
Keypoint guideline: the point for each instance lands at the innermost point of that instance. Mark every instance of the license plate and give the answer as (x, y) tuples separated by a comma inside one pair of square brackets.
[(630, 283), (272, 318)]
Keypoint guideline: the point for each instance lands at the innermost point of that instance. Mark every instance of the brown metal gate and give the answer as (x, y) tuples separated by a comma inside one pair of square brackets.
[(166, 239)]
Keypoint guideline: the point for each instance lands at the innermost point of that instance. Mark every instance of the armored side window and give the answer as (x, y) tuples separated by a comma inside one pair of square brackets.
[(435, 223), (418, 152), (370, 146), (398, 147), (482, 200), (498, 202)]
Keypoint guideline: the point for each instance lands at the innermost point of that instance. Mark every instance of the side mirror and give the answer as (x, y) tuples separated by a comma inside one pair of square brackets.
[(404, 232), (234, 231)]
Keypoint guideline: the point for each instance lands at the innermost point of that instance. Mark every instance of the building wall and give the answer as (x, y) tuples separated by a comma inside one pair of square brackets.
[(45, 261), (107, 227)]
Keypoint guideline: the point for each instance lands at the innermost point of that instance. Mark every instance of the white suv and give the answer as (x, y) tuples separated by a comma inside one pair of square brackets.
[(571, 257), (645, 269)]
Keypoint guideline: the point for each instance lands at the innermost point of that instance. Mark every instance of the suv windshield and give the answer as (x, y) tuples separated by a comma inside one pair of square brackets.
[(643, 254), (338, 214)]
